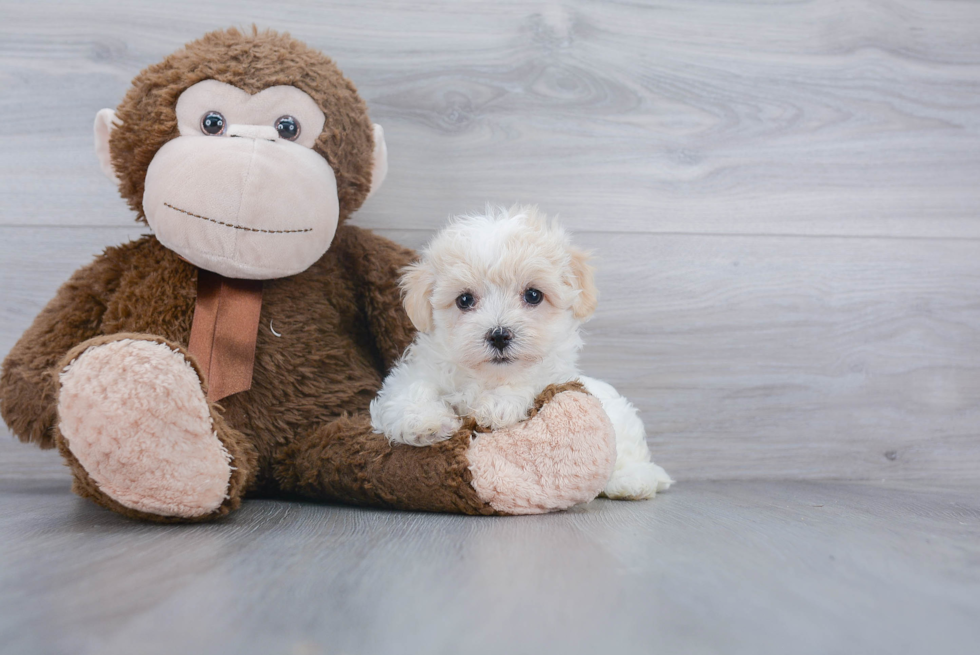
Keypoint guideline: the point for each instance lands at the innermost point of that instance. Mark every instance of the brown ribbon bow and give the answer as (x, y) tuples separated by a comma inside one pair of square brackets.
[(224, 332)]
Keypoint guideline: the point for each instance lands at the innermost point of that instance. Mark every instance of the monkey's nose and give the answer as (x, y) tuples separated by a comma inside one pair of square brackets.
[(266, 132), (499, 338)]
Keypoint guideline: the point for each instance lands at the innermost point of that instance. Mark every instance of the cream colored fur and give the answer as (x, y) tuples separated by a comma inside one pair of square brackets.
[(451, 370)]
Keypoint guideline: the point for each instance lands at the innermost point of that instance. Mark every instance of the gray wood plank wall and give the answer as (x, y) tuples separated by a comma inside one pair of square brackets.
[(782, 196)]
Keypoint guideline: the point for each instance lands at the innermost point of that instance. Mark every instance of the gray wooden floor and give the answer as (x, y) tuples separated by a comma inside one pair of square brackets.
[(783, 196), (708, 567), (784, 200)]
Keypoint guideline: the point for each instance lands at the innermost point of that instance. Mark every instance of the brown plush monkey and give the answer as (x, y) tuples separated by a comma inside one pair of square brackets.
[(246, 153)]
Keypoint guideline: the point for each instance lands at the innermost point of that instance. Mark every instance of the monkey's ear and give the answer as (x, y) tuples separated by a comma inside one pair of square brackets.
[(584, 282), (105, 122), (379, 168), (417, 283)]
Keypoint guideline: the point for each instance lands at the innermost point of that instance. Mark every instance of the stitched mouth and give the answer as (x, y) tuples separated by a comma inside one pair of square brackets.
[(233, 226)]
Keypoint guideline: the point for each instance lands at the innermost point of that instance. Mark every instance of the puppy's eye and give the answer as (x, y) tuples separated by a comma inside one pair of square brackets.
[(213, 123), (533, 297), (465, 301), (288, 128)]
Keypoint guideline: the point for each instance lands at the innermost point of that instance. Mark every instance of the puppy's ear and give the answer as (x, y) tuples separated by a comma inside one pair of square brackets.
[(416, 283), (583, 281)]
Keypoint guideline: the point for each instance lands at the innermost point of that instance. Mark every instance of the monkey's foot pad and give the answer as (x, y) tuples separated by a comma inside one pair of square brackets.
[(561, 457), (135, 416)]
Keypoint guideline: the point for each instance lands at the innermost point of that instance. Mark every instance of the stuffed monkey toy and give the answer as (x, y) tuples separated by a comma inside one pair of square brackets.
[(235, 351)]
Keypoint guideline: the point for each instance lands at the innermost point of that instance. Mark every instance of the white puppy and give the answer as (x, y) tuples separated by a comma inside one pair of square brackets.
[(498, 300)]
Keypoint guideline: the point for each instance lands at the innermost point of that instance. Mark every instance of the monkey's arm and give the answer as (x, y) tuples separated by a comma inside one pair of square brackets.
[(347, 461), (377, 263), (28, 401), (561, 456)]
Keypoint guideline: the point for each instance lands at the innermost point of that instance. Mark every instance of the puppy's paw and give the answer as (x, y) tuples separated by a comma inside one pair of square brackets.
[(496, 412), (425, 425), (434, 434), (637, 481)]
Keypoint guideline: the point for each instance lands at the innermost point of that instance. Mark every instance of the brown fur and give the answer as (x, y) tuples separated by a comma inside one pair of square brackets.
[(305, 433), (341, 321), (302, 428), (252, 62), (327, 362), (370, 471)]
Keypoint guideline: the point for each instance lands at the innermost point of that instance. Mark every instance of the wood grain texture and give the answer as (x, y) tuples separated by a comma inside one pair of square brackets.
[(858, 118), (709, 567), (748, 357), (782, 195)]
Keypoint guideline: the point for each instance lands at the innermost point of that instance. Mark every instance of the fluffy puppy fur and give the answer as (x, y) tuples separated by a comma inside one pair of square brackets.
[(498, 299)]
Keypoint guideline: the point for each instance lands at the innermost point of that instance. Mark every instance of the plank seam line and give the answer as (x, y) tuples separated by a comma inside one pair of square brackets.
[(739, 235)]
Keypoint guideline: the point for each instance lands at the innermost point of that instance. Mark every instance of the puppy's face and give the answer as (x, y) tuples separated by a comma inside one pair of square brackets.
[(500, 292)]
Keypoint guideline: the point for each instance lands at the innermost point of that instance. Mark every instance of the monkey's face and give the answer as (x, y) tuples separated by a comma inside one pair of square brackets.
[(243, 152), (241, 191)]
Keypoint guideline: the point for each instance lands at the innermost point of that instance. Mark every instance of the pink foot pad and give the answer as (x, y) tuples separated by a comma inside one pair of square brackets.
[(559, 458), (134, 415)]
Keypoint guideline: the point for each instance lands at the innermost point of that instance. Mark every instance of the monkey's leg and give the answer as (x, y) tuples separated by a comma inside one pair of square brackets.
[(560, 457), (140, 436)]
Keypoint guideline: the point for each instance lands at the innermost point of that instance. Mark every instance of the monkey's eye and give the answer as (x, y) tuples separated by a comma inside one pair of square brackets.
[(213, 123), (465, 301), (288, 128), (532, 296)]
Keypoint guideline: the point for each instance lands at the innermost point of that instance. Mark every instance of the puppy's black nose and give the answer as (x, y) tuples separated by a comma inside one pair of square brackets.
[(499, 338)]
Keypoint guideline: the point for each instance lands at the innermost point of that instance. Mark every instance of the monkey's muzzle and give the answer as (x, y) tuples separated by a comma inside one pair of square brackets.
[(245, 207)]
